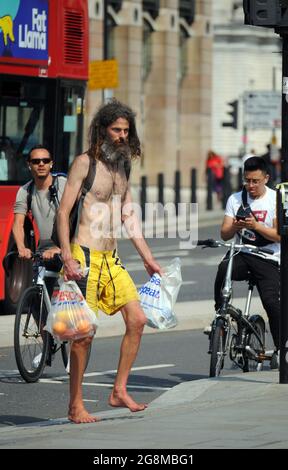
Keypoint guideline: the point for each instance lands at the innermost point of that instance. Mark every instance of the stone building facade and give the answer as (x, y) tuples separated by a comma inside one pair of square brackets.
[(245, 58), (164, 53)]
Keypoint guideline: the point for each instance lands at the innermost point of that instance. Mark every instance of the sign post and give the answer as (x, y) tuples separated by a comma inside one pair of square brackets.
[(274, 14)]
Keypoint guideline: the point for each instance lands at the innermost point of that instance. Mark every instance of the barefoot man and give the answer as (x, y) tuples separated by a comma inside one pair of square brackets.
[(113, 143)]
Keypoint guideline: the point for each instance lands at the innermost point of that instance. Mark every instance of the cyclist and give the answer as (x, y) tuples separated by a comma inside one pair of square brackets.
[(251, 215), (39, 197), (36, 196)]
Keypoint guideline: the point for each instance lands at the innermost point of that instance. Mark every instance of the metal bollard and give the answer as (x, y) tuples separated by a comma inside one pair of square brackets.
[(160, 179), (226, 187), (143, 196), (193, 185), (177, 190), (209, 200)]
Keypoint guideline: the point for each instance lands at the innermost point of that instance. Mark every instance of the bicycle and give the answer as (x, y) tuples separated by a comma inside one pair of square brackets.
[(30, 338), (238, 334)]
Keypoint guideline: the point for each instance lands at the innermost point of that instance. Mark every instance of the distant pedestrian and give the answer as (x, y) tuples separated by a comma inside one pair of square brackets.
[(215, 163)]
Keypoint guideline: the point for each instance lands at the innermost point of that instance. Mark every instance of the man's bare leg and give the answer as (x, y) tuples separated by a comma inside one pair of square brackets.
[(135, 321), (77, 412)]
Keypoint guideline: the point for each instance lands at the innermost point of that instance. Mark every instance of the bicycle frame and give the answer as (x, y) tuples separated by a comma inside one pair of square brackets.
[(39, 275), (249, 329)]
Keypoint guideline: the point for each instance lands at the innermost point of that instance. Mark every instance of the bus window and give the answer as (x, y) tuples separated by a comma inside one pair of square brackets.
[(72, 122), (21, 129)]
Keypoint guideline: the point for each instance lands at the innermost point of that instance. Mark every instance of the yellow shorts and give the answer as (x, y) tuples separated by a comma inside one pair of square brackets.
[(108, 286)]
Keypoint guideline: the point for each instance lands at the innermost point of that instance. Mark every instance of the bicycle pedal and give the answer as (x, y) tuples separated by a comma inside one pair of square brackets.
[(50, 359)]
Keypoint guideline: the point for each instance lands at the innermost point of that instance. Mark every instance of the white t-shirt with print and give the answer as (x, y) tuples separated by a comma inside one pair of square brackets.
[(264, 209)]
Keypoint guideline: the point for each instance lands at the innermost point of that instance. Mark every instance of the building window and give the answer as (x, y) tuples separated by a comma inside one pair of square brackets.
[(146, 49), (183, 53)]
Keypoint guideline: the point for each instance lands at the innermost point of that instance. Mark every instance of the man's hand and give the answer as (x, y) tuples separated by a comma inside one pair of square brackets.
[(72, 270), (25, 253), (248, 223), (49, 254), (152, 267)]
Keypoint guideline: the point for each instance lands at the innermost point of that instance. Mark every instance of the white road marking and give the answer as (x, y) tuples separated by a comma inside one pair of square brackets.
[(186, 261), (164, 254), (139, 387), (101, 384), (106, 372), (92, 401), (183, 283), (4, 374)]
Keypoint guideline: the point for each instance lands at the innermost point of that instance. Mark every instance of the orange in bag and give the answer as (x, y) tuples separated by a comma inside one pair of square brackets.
[(59, 328)]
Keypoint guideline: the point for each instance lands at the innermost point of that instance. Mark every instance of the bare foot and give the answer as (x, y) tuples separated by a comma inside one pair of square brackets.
[(124, 400), (80, 415)]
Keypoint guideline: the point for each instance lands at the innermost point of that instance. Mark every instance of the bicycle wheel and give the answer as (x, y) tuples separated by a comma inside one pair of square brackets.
[(30, 340), (218, 352), (251, 363)]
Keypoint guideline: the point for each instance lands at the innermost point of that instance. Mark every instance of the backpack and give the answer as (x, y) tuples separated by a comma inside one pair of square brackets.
[(53, 192), (246, 211)]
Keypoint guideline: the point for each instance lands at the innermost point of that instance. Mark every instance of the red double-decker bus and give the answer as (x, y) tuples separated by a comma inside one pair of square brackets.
[(43, 74)]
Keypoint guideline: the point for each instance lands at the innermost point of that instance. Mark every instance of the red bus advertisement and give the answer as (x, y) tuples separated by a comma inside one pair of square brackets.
[(43, 74)]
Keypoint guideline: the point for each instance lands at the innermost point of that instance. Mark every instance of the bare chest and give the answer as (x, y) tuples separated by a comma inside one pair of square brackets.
[(108, 183)]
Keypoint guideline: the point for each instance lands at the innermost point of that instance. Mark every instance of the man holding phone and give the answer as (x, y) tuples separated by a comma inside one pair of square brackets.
[(251, 215)]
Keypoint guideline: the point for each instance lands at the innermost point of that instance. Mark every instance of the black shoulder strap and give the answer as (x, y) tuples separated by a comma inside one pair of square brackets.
[(53, 191), (127, 168), (245, 202), (244, 197), (29, 195), (88, 182)]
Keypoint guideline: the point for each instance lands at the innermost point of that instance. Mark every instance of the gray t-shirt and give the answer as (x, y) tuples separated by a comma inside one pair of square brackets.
[(42, 208)]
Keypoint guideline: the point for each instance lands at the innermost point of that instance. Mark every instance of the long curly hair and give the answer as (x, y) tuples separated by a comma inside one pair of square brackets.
[(105, 116)]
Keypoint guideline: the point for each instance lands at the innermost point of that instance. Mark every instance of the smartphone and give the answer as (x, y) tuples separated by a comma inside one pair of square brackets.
[(240, 218)]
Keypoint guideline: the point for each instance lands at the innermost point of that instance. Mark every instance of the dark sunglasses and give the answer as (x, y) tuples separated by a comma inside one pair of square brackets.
[(36, 161)]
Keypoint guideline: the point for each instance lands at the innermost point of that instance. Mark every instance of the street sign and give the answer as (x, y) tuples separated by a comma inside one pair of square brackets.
[(262, 109), (103, 74)]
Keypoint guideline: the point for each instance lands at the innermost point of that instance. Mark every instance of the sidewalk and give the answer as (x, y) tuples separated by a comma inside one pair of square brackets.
[(190, 315), (241, 411), (238, 411)]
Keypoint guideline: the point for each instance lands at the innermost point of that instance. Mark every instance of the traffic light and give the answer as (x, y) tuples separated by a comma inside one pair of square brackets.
[(234, 114), (267, 13)]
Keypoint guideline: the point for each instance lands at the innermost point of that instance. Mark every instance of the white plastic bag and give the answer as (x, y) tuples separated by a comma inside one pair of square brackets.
[(70, 316), (158, 296)]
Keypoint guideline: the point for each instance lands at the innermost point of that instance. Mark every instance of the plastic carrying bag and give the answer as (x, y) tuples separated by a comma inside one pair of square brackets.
[(70, 316), (158, 296)]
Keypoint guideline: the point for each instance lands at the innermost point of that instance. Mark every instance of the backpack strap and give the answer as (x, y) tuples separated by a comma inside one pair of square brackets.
[(30, 188), (87, 185), (127, 168), (89, 180), (245, 202), (53, 191)]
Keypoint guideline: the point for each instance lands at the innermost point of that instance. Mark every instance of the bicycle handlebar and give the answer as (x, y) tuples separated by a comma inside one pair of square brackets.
[(34, 256), (211, 243)]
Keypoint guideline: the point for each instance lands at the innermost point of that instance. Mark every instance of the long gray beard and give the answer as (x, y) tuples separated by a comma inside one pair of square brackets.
[(115, 153)]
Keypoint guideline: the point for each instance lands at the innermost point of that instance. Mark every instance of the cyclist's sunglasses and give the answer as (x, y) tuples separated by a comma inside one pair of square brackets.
[(36, 161)]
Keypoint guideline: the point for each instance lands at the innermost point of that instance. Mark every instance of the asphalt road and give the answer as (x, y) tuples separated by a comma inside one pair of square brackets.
[(198, 266), (165, 359)]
